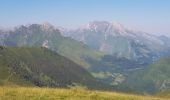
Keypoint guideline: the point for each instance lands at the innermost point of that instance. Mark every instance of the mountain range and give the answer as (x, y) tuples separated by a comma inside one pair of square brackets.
[(115, 39), (108, 52)]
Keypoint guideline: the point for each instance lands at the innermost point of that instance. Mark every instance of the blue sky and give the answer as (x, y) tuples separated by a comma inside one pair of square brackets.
[(151, 16)]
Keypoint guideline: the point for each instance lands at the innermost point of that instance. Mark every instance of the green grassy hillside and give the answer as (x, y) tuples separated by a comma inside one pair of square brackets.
[(153, 79), (41, 67), (21, 93)]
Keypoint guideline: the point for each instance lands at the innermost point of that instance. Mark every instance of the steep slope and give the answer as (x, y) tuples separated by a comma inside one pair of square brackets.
[(115, 39), (47, 36), (153, 79), (41, 67)]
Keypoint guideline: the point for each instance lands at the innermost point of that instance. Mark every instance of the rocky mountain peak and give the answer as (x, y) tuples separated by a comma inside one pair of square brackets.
[(46, 26), (105, 27)]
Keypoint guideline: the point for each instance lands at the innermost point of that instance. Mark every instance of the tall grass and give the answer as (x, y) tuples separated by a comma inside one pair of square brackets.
[(33, 93)]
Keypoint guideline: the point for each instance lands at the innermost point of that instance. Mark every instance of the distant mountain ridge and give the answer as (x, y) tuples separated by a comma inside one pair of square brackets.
[(115, 39), (109, 38)]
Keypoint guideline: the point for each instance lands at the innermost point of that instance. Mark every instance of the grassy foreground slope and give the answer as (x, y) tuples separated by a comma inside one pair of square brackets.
[(21, 93)]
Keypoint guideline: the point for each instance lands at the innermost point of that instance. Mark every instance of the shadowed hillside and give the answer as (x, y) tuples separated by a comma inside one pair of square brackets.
[(41, 67)]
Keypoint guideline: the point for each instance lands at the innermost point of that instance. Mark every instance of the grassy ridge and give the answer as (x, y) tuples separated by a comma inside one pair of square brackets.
[(29, 93), (41, 67)]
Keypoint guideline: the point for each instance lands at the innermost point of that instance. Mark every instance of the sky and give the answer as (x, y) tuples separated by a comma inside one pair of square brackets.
[(152, 16)]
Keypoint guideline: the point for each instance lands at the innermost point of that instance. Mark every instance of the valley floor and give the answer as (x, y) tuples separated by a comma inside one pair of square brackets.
[(32, 93)]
